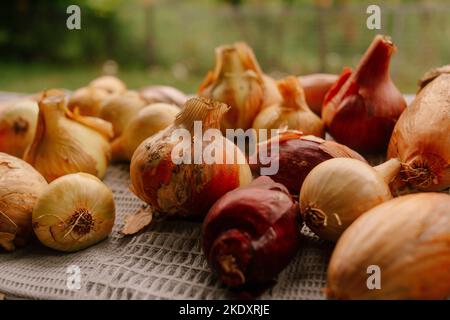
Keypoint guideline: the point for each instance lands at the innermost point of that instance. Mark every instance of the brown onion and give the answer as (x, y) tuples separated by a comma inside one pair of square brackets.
[(361, 109), (189, 187), (87, 100), (297, 155), (20, 187), (421, 139), (163, 94), (316, 86), (110, 84), (403, 244)]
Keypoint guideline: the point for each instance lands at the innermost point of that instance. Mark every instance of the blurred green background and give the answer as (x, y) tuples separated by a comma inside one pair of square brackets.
[(172, 41)]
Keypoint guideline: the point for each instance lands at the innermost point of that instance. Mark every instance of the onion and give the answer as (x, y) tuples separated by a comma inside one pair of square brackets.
[(316, 86), (361, 109), (163, 94), (407, 240), (110, 84), (238, 81), (147, 122), (421, 139), (74, 212), (252, 233), (20, 186), (297, 155), (432, 74), (66, 142), (179, 187), (338, 191), (120, 109), (292, 112), (17, 126), (87, 100)]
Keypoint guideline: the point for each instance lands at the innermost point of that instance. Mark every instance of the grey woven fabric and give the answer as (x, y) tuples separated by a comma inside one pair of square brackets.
[(163, 262)]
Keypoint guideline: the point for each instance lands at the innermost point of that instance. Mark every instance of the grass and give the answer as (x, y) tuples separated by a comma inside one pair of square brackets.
[(36, 77)]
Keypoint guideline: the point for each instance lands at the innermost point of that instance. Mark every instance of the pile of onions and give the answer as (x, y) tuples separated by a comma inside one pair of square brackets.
[(292, 112), (362, 107), (189, 187), (297, 155), (407, 240), (163, 94), (20, 187), (338, 191), (238, 81), (119, 109), (17, 126), (147, 122), (421, 139), (66, 142)]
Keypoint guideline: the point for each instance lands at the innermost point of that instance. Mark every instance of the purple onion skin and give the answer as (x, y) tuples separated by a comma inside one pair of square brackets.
[(255, 230)]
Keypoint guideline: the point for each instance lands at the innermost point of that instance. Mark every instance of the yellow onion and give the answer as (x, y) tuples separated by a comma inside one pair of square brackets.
[(88, 100), (17, 126), (190, 187), (339, 190), (238, 81), (20, 187), (421, 139), (110, 84), (397, 250), (163, 94), (74, 212), (147, 122), (66, 142), (292, 112), (120, 109)]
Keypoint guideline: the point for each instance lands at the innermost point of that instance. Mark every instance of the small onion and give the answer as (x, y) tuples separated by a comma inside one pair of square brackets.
[(20, 187), (163, 94), (74, 212), (110, 84), (339, 190), (88, 100)]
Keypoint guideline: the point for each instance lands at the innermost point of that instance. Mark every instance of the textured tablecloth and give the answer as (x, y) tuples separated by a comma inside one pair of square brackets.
[(163, 262)]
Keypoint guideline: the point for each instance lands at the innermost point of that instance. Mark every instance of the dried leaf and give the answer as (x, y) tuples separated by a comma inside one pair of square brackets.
[(138, 221)]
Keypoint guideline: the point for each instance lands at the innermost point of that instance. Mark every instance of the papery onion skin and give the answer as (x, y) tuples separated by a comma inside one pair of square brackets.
[(238, 81), (74, 212), (20, 187), (147, 122), (337, 191), (17, 126), (316, 86), (119, 109), (292, 112), (88, 101), (185, 189), (421, 139), (362, 107), (408, 238), (252, 233), (110, 84), (163, 94), (298, 155), (66, 142)]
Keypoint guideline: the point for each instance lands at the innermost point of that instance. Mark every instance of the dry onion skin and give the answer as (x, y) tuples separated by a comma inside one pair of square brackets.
[(187, 189), (17, 126), (88, 100), (147, 122), (66, 142), (20, 187), (421, 140), (292, 112), (238, 81), (407, 238), (74, 212), (119, 109), (110, 84), (337, 191), (163, 94)]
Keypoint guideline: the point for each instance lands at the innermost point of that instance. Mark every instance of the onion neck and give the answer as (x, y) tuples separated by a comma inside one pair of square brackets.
[(374, 65), (293, 94), (389, 170)]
